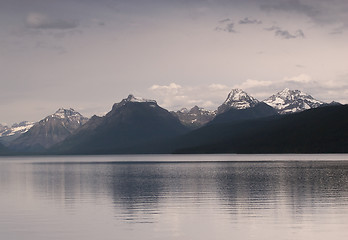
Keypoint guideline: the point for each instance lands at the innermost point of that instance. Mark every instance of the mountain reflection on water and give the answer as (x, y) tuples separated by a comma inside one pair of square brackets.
[(283, 199)]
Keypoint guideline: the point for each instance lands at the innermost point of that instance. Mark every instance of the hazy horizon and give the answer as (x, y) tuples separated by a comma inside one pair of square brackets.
[(88, 55)]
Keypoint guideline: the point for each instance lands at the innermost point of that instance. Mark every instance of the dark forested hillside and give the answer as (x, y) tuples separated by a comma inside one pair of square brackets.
[(321, 130), (260, 110)]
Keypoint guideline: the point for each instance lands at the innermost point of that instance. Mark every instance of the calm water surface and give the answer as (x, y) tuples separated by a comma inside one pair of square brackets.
[(174, 197)]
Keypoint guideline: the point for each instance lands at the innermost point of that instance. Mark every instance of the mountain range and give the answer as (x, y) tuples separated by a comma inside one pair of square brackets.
[(130, 124), (195, 117), (8, 134), (49, 131), (289, 121)]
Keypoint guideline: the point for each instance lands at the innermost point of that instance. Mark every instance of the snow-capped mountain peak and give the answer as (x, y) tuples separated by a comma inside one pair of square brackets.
[(16, 129), (50, 130), (65, 113), (66, 116), (290, 101), (238, 99), (132, 98), (293, 94), (183, 110)]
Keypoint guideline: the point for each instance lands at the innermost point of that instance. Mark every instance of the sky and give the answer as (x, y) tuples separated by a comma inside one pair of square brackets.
[(88, 54)]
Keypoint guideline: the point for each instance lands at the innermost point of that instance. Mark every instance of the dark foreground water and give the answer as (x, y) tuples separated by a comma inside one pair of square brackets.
[(175, 197)]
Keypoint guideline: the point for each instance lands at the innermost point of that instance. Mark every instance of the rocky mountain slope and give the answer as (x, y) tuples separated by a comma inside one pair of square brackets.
[(195, 117), (130, 123), (260, 110), (49, 131), (8, 134)]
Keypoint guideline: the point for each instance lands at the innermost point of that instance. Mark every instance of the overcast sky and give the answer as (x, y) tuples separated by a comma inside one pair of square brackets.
[(89, 54)]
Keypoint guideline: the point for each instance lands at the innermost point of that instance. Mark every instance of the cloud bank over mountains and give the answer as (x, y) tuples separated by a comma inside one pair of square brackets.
[(175, 96)]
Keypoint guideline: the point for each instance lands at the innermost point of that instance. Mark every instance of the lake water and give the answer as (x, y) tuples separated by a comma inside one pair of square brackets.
[(174, 197)]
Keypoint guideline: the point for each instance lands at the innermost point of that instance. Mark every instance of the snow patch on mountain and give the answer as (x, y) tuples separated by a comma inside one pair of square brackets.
[(291, 101), (183, 110), (131, 98), (3, 128), (237, 99), (16, 129), (63, 113)]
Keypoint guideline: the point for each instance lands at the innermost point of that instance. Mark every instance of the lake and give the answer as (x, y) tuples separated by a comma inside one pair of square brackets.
[(174, 197)]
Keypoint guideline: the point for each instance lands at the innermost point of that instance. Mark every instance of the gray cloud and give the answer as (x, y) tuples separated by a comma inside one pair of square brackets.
[(225, 20), (319, 11), (227, 28), (290, 5), (230, 28), (40, 21), (273, 28), (299, 33), (226, 25), (285, 34), (246, 20)]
